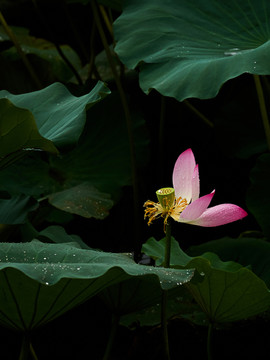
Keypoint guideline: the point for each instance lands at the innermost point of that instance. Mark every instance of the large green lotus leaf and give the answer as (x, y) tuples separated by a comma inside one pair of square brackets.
[(250, 252), (189, 48), (228, 291), (59, 116), (41, 281), (42, 49), (18, 131), (14, 210), (258, 195), (99, 160)]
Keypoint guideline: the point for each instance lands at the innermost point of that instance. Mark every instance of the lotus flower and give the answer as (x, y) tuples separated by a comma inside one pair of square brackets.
[(182, 202)]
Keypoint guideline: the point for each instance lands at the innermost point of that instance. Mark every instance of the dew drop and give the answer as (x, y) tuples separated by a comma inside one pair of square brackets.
[(232, 52)]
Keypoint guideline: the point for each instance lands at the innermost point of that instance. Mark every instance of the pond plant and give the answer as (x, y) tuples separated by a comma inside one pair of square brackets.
[(97, 100)]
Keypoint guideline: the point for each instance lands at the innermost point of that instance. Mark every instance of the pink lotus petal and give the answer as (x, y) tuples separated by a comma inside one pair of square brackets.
[(220, 215), (196, 208), (182, 175), (195, 184)]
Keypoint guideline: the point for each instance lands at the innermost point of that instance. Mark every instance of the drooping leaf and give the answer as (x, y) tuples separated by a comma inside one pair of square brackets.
[(99, 160), (41, 281), (59, 116), (190, 48), (18, 131), (258, 195), (228, 292)]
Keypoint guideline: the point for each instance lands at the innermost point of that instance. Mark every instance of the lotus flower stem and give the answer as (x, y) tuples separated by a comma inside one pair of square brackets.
[(167, 256), (164, 325), (263, 109)]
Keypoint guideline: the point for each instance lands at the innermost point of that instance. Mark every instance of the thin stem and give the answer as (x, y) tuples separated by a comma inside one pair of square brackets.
[(209, 341), (114, 326), (167, 256), (106, 20), (164, 297), (128, 123), (263, 109), (22, 55)]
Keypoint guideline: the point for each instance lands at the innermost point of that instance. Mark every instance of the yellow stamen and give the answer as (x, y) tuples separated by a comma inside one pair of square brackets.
[(155, 210)]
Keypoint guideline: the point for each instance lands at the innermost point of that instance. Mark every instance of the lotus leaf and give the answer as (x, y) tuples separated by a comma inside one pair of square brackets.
[(189, 48), (41, 281)]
